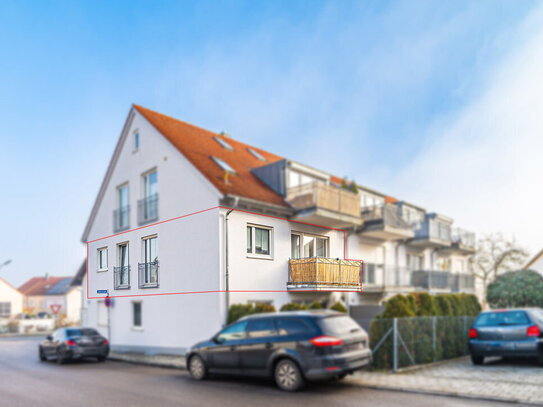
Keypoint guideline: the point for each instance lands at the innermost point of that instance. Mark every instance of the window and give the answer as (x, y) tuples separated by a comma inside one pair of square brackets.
[(136, 315), (223, 165), (102, 259), (259, 240), (291, 326), (136, 141), (414, 262), (499, 318), (122, 271), (122, 212), (148, 206), (149, 268), (304, 245), (233, 332), (5, 309), (224, 143), (150, 181), (256, 154), (261, 328)]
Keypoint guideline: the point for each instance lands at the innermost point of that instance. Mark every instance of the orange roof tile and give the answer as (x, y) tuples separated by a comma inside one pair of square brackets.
[(39, 285), (198, 145)]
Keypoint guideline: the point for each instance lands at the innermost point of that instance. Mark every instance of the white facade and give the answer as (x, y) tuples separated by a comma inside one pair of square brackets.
[(187, 302), (11, 300)]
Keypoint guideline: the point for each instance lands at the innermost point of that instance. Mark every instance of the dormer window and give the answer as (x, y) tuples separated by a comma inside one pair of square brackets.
[(256, 154), (223, 143), (223, 165)]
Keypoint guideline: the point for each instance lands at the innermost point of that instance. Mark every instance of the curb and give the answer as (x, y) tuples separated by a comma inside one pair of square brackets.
[(144, 362), (449, 394)]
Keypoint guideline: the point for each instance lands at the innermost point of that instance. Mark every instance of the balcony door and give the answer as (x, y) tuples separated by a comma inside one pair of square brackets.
[(150, 261), (150, 196), (122, 195), (305, 245), (123, 264)]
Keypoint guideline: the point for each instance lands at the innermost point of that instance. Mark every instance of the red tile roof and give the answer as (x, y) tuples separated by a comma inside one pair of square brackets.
[(40, 285), (198, 145)]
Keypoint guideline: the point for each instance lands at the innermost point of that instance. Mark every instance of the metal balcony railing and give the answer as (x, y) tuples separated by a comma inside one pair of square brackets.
[(316, 272), (463, 283), (387, 214), (121, 219), (121, 278), (148, 274), (431, 279), (148, 209), (432, 229), (323, 196)]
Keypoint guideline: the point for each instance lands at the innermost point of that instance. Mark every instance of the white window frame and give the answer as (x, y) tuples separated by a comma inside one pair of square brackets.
[(136, 140), (137, 327), (254, 255), (144, 183), (98, 252), (302, 234)]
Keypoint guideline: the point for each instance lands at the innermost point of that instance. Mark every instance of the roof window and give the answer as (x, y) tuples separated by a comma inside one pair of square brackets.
[(223, 165), (224, 143), (256, 154)]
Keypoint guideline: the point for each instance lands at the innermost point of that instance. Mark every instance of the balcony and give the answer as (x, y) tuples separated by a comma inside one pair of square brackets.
[(384, 222), (320, 273), (121, 219), (463, 283), (121, 278), (148, 209), (325, 205), (463, 241), (148, 274), (431, 279), (432, 232)]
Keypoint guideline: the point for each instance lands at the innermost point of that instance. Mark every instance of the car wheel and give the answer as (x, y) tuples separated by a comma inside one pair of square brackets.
[(197, 368), (477, 359), (288, 376), (540, 360), (42, 355), (60, 358)]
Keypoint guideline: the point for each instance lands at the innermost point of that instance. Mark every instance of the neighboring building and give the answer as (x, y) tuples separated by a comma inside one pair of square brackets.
[(11, 300), (163, 168), (536, 263), (42, 292)]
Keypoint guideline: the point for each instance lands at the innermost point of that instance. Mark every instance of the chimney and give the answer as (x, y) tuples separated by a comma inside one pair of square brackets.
[(224, 134), (46, 276)]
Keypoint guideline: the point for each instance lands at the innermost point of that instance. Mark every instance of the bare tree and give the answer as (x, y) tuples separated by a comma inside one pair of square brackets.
[(495, 255)]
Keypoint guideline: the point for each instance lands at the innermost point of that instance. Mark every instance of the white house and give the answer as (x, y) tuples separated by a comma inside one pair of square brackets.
[(187, 222), (11, 300)]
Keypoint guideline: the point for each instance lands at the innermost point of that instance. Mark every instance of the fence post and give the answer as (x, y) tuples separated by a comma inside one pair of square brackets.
[(395, 344), (434, 345)]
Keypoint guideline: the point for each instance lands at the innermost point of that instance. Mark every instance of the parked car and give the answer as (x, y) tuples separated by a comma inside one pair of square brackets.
[(74, 343), (507, 333), (290, 347)]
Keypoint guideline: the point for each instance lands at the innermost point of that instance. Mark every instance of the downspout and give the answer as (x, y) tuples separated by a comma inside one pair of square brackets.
[(227, 265)]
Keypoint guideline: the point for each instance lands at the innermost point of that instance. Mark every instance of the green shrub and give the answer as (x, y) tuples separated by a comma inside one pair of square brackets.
[(338, 306), (264, 308), (315, 305), (238, 311), (399, 306), (516, 289), (293, 306), (443, 307)]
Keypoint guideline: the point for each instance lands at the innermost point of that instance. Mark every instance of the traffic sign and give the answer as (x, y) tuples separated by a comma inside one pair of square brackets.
[(55, 308), (107, 302), (101, 291)]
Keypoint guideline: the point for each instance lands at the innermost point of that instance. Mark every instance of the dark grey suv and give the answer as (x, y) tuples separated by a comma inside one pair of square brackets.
[(509, 333), (291, 347)]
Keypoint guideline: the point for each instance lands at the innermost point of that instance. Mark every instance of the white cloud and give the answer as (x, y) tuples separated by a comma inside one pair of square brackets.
[(484, 164)]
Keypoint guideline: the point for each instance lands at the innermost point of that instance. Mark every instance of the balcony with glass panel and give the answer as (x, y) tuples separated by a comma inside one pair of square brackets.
[(385, 222), (121, 219), (433, 231), (148, 209), (463, 241)]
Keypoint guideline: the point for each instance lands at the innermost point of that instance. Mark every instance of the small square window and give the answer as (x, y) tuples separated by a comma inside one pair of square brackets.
[(136, 315), (259, 241), (102, 259)]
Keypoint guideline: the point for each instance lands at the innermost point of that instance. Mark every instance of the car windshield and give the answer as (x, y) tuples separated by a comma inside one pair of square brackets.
[(338, 325), (73, 332), (502, 318)]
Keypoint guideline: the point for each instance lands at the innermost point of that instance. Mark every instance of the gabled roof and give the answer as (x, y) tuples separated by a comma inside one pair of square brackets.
[(8, 284), (198, 146), (533, 260), (43, 286)]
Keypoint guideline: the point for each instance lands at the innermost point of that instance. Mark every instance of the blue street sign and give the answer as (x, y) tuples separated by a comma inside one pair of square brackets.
[(101, 291)]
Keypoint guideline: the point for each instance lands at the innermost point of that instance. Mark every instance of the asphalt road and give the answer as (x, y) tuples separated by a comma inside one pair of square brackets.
[(27, 382)]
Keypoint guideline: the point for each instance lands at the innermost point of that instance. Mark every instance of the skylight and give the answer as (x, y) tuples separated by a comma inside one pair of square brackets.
[(224, 143), (223, 165), (256, 154)]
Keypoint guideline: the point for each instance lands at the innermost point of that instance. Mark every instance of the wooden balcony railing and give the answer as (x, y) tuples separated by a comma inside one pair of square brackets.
[(321, 272), (320, 195)]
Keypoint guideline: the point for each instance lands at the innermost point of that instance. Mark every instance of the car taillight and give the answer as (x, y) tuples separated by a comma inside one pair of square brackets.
[(533, 331), (106, 341), (325, 340), (69, 342), (472, 333)]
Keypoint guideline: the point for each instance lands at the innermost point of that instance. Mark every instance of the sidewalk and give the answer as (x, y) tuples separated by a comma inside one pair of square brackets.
[(497, 380)]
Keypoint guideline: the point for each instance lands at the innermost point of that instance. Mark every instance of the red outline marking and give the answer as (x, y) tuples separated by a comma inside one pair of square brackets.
[(224, 291)]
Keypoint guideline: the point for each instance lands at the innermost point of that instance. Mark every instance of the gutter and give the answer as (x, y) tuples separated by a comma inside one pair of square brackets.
[(227, 264)]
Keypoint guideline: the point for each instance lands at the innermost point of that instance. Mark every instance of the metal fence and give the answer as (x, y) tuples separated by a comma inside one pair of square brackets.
[(402, 342)]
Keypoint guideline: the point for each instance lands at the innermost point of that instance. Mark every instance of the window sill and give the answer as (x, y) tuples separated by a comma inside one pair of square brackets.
[(101, 270), (137, 328), (259, 256)]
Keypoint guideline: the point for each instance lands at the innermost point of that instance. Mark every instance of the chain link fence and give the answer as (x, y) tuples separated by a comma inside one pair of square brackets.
[(402, 342)]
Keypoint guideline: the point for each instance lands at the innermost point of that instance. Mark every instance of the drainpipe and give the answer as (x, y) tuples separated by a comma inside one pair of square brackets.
[(227, 265)]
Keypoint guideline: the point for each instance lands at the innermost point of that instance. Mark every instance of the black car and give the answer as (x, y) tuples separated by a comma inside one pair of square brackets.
[(291, 347), (74, 343), (507, 333)]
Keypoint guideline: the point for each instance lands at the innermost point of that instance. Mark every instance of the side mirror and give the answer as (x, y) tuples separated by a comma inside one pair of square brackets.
[(217, 339), (49, 337)]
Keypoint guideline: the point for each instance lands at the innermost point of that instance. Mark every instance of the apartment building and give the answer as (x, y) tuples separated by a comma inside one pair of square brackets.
[(187, 222)]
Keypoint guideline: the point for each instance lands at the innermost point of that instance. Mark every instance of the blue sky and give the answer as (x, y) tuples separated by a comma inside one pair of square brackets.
[(402, 96)]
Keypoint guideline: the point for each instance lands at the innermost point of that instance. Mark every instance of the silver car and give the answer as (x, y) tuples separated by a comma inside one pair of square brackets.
[(507, 333)]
